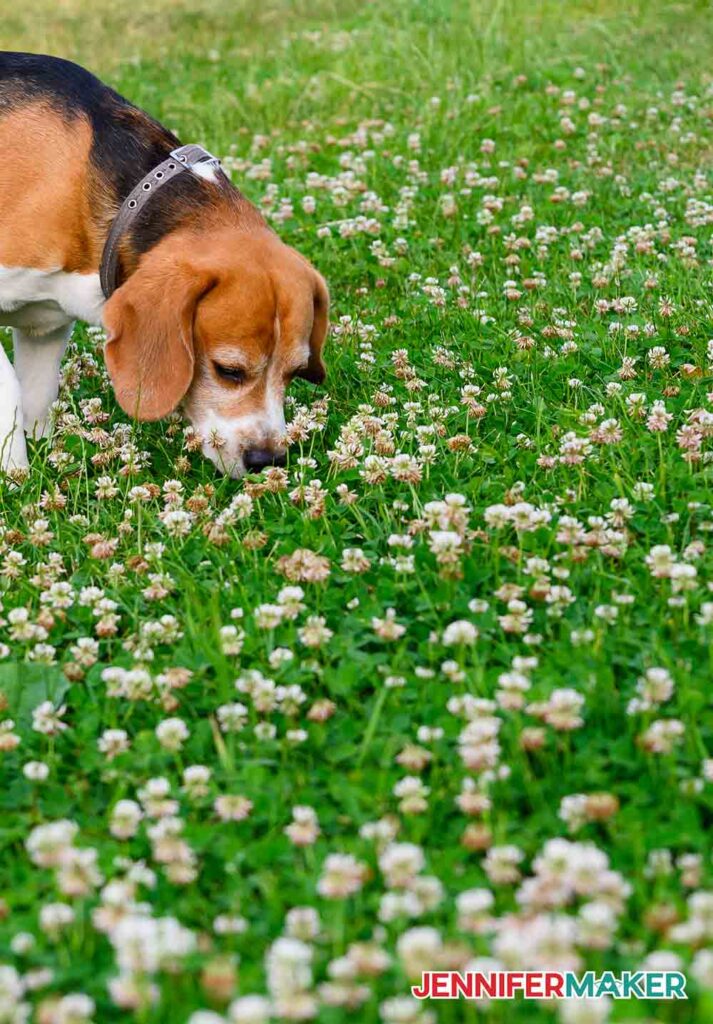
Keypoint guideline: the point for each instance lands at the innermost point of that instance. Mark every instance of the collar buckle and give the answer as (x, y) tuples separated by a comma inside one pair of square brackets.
[(184, 158)]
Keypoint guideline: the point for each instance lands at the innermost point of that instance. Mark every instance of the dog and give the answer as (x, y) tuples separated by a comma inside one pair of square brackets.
[(204, 307)]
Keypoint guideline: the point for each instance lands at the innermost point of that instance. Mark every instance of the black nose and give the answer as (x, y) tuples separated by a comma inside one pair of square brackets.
[(256, 459)]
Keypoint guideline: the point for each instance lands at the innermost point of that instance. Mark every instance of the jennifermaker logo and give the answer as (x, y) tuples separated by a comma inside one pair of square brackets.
[(551, 985)]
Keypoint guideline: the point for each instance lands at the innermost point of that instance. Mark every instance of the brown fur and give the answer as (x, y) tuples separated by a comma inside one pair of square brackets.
[(45, 218)]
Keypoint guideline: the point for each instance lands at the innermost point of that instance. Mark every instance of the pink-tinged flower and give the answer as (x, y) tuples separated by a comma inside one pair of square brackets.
[(232, 807), (342, 876)]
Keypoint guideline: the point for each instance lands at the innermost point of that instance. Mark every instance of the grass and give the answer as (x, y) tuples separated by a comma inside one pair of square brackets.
[(601, 220)]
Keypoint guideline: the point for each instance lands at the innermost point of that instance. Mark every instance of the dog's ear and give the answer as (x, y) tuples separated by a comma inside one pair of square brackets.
[(315, 372), (149, 323)]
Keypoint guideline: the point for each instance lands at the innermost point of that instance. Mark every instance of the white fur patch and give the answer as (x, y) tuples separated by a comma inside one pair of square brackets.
[(225, 439), (40, 301), (204, 170), (13, 453), (37, 362), (41, 306)]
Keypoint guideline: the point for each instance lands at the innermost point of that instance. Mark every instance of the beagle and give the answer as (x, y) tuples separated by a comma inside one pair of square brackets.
[(106, 218)]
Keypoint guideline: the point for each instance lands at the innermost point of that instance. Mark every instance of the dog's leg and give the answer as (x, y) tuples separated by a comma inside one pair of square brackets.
[(37, 362), (13, 453)]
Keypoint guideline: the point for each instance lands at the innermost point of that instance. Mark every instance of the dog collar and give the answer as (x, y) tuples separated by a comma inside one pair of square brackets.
[(185, 158)]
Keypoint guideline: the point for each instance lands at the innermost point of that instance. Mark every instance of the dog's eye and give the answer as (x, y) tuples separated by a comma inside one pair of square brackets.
[(232, 373)]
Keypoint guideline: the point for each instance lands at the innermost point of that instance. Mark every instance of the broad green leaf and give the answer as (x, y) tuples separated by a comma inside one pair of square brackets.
[(24, 686)]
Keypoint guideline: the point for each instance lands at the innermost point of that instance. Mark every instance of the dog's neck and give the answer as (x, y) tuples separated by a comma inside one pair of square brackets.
[(132, 152), (77, 149)]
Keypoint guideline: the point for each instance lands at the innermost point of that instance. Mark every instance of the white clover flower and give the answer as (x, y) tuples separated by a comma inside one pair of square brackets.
[(403, 1010), (172, 733), (11, 991), (288, 965), (196, 777), (54, 917), (303, 923), (250, 1009), (419, 950), (48, 844), (474, 908), (268, 616), (20, 944), (342, 875), (229, 924), (36, 771), (75, 1008), (113, 742), (458, 632), (47, 719), (231, 640), (125, 818), (143, 945), (400, 863), (388, 628), (177, 522)]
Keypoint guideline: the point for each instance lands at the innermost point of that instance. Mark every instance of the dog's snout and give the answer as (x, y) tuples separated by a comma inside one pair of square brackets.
[(256, 459)]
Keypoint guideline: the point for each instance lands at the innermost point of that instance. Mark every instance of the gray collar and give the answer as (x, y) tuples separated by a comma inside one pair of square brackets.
[(184, 158)]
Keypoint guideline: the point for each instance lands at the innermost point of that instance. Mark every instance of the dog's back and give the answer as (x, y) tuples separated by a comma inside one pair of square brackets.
[(28, 77)]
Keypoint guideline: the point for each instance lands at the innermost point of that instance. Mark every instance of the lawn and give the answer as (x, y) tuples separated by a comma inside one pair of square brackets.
[(437, 695)]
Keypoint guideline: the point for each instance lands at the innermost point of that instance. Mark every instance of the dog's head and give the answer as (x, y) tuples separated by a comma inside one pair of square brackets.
[(219, 322)]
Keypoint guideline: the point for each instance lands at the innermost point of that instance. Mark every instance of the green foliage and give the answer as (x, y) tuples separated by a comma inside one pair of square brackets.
[(355, 93)]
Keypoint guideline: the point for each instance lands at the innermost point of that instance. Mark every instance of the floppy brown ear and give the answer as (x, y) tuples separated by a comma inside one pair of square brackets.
[(316, 372), (149, 323)]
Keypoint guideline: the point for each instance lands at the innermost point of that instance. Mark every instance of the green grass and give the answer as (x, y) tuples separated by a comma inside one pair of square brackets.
[(334, 88)]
